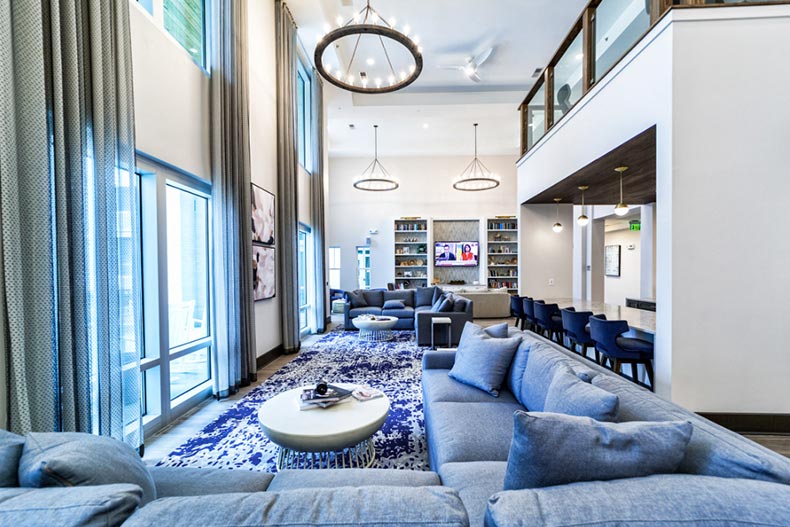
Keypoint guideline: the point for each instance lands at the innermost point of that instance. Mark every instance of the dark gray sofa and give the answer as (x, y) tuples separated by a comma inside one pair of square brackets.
[(724, 477), (416, 315)]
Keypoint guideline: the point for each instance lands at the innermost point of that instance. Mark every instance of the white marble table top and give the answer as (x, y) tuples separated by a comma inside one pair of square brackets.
[(638, 319)]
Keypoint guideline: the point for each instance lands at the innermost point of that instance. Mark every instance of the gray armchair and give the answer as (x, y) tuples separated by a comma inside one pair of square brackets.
[(423, 327)]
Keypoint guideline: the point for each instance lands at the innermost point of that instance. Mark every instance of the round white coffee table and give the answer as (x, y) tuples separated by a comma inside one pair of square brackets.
[(334, 437), (375, 330)]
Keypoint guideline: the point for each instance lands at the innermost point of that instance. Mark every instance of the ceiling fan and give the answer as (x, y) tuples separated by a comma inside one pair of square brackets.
[(473, 64)]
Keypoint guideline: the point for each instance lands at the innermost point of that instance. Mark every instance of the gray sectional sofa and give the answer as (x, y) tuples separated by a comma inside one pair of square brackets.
[(420, 306), (724, 479)]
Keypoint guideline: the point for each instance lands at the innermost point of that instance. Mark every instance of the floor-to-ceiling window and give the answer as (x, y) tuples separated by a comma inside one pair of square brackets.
[(363, 266), (305, 271), (185, 21), (176, 365), (334, 267)]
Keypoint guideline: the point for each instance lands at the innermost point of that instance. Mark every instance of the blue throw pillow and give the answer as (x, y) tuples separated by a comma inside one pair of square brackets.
[(438, 303), (482, 361), (423, 296), (394, 304), (460, 305), (356, 298), (570, 395), (554, 449), (498, 331), (10, 451), (70, 459), (447, 305)]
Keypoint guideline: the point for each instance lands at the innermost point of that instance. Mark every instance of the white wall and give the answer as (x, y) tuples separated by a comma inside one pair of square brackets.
[(730, 189), (628, 284), (263, 142), (171, 98), (721, 111), (425, 191), (545, 255)]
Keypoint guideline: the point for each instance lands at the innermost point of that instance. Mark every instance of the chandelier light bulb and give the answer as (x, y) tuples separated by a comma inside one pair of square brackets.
[(557, 227), (327, 28), (582, 220), (392, 21), (339, 20), (416, 39), (406, 29), (378, 82), (412, 68), (370, 61), (391, 79), (621, 209)]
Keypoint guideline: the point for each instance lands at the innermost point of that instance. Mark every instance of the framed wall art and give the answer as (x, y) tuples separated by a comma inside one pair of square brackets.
[(611, 260), (263, 216), (264, 280)]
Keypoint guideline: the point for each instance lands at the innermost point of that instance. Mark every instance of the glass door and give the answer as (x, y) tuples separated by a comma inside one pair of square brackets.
[(363, 266)]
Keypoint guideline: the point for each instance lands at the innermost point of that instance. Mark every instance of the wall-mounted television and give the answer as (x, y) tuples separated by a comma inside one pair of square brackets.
[(456, 254)]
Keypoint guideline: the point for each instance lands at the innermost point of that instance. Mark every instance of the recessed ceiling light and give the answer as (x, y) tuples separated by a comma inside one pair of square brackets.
[(425, 125), (370, 61)]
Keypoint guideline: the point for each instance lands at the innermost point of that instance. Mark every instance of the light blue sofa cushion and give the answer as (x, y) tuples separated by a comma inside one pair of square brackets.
[(185, 481), (342, 506), (475, 481), (542, 363), (65, 459), (10, 451), (664, 500), (555, 449), (352, 477), (394, 304), (497, 331), (482, 361), (94, 506), (570, 395), (713, 450), (469, 432), (446, 306), (437, 386)]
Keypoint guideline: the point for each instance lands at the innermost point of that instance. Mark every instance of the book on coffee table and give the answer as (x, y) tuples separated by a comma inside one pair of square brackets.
[(366, 393)]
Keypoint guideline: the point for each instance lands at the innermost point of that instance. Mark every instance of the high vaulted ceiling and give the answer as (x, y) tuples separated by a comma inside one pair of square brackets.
[(434, 116)]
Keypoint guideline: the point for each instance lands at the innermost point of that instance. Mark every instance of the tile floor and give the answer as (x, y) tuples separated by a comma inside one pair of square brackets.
[(188, 425)]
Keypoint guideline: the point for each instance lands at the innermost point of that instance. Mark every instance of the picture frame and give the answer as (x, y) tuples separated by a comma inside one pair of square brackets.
[(263, 219), (611, 265), (264, 268)]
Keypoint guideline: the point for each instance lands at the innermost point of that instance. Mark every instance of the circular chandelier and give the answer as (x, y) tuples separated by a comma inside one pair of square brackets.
[(476, 175), (361, 74), (375, 177)]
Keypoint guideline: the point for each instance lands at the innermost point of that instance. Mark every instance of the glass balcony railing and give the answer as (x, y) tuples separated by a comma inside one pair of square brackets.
[(604, 33)]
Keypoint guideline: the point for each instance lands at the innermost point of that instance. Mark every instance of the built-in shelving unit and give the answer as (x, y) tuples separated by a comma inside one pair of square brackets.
[(502, 253), (411, 253)]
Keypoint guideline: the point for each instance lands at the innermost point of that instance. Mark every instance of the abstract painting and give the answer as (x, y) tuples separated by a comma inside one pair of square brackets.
[(263, 272), (262, 216)]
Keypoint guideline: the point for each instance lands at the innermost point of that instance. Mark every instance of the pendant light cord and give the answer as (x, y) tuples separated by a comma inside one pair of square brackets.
[(375, 141), (621, 187)]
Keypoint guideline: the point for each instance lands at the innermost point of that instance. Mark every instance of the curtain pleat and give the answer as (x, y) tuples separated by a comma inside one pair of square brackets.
[(318, 213), (70, 267), (287, 163), (230, 139)]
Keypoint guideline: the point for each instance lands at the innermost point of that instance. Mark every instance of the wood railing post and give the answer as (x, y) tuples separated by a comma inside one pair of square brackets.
[(658, 8), (548, 81), (588, 48)]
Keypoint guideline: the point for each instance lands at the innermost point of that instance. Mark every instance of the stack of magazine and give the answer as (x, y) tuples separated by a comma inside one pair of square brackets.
[(311, 399)]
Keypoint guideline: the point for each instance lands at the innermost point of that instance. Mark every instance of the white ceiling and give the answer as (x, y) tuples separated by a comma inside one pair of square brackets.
[(525, 34)]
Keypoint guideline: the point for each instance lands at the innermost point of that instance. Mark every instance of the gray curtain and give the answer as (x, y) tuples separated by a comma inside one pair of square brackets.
[(69, 253), (287, 208), (317, 204), (232, 195)]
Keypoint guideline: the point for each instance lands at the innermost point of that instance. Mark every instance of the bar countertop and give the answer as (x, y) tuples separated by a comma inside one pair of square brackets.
[(638, 319)]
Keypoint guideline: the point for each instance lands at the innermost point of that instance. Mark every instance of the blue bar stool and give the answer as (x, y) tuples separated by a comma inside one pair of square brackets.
[(549, 321), (517, 310), (529, 313), (576, 328), (620, 350)]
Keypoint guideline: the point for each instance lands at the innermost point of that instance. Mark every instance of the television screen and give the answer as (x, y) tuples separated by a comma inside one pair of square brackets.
[(456, 254)]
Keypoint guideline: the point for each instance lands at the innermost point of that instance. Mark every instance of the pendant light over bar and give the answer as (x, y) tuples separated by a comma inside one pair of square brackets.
[(476, 176), (557, 227), (583, 220), (375, 177), (621, 209)]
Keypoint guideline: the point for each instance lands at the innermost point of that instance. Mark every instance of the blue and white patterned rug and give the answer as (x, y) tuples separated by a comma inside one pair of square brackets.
[(235, 439)]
